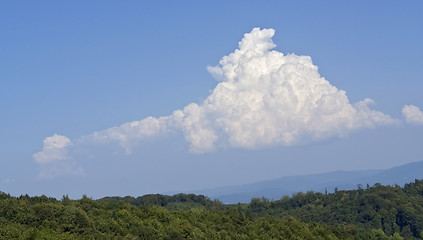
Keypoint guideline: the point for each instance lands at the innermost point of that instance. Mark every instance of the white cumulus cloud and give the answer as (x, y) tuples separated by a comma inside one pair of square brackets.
[(54, 148), (263, 98), (53, 159), (412, 114)]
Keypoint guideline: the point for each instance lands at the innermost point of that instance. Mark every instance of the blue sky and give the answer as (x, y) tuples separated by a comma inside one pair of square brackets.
[(75, 68)]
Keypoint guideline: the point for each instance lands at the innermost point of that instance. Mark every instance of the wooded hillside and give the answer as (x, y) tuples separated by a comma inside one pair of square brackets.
[(377, 212)]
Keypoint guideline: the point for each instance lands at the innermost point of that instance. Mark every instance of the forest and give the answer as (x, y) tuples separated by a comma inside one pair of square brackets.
[(373, 212)]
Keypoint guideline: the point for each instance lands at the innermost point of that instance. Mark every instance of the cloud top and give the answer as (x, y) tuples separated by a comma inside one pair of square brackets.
[(412, 114)]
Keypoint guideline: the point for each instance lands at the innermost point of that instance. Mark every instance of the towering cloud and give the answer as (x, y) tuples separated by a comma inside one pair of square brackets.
[(263, 98)]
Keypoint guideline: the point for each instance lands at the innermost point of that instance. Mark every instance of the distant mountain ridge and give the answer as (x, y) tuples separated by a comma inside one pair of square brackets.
[(342, 180)]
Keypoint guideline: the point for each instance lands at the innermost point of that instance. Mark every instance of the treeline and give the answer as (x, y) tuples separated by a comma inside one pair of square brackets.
[(179, 201), (379, 212), (392, 209)]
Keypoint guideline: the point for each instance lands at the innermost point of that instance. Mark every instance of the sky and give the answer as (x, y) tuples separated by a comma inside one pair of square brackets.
[(133, 97)]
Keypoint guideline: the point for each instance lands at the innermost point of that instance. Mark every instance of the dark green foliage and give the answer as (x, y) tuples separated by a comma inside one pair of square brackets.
[(187, 200), (391, 209), (24, 218), (379, 212)]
